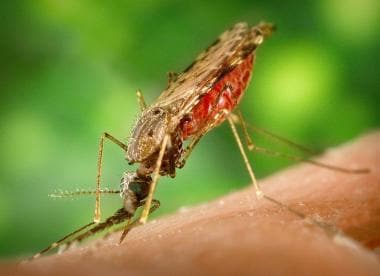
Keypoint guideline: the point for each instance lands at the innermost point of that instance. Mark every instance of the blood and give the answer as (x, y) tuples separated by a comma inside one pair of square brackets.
[(225, 94)]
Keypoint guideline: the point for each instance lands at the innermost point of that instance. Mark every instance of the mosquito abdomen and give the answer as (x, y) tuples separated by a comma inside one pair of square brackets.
[(224, 95)]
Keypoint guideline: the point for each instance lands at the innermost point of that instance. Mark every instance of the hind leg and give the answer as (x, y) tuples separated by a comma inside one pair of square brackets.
[(260, 194)]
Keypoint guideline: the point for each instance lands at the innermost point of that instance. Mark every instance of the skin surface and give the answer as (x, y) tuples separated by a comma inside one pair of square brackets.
[(238, 234)]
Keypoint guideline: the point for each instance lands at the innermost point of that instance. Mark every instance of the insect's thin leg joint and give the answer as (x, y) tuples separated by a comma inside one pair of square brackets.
[(273, 136), (97, 215), (248, 139)]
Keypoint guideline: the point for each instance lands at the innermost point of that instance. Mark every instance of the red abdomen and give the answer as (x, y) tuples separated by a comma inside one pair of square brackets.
[(225, 94)]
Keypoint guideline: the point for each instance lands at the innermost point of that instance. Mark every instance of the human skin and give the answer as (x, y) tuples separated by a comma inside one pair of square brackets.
[(239, 234)]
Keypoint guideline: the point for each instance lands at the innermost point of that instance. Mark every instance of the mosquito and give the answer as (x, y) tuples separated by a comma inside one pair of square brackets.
[(203, 96)]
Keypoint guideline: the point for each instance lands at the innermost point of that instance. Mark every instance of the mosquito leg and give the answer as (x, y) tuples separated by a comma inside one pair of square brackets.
[(119, 217), (253, 147), (243, 123), (141, 100), (259, 193), (312, 162), (156, 176), (186, 153), (62, 240), (99, 174), (239, 119), (130, 225)]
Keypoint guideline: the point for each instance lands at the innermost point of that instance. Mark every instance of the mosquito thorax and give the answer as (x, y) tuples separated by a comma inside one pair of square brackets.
[(133, 189), (148, 134)]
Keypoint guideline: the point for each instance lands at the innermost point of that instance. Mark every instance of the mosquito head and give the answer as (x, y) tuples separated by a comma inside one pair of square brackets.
[(148, 134), (133, 189)]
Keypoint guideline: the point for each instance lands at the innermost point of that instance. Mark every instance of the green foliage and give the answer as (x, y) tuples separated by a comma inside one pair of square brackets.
[(70, 70)]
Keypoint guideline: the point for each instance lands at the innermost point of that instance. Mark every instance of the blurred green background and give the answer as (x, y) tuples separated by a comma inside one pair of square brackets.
[(69, 70)]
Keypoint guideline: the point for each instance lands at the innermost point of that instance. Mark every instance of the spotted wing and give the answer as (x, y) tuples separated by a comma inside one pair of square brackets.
[(221, 57)]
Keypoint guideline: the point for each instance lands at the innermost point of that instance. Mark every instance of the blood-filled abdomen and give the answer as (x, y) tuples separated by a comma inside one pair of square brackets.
[(224, 95)]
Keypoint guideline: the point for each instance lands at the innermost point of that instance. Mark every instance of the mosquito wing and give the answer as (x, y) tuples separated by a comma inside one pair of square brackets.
[(221, 57)]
